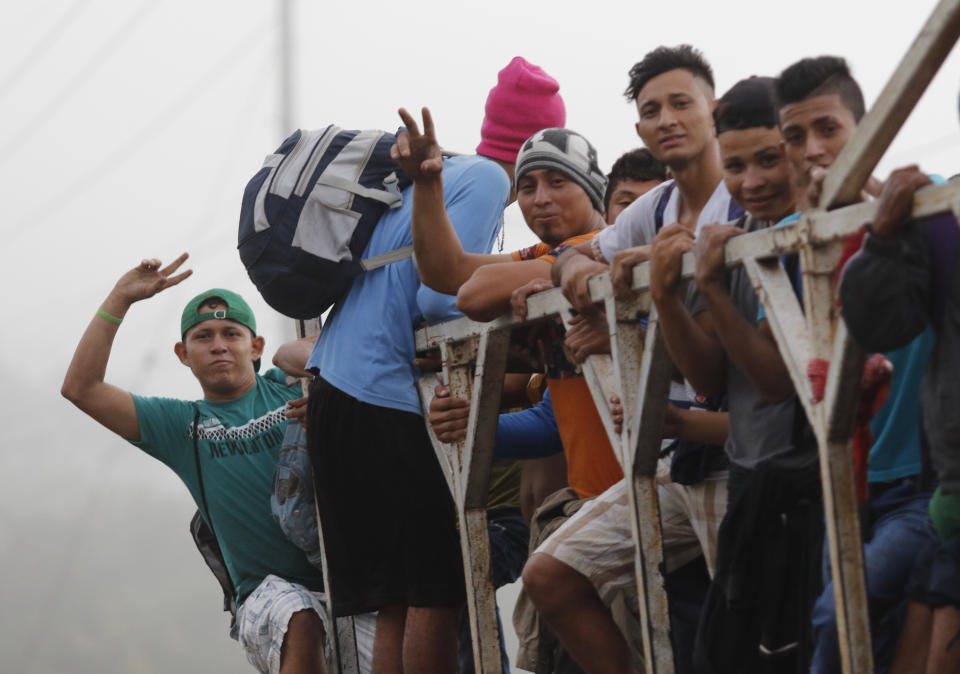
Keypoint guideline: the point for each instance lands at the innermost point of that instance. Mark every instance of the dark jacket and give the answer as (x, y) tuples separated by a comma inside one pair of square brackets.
[(891, 290)]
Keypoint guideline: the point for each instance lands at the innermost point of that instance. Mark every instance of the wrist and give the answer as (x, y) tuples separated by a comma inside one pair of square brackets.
[(666, 296), (711, 286), (883, 228), (116, 305), (669, 306), (429, 181)]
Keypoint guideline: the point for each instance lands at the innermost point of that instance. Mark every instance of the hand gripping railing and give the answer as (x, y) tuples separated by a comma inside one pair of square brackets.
[(638, 370)]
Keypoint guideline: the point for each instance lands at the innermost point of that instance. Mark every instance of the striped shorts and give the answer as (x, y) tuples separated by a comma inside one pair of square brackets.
[(598, 542)]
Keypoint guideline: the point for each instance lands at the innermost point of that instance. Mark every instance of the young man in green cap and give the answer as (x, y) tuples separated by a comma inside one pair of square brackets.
[(224, 447)]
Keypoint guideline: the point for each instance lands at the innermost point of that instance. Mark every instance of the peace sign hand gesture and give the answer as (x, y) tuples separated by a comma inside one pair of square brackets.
[(147, 279), (418, 153)]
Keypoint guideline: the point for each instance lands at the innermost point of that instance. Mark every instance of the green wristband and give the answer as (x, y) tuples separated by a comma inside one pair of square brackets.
[(109, 317)]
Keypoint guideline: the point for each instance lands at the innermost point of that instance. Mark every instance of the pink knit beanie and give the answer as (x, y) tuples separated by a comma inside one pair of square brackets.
[(525, 100)]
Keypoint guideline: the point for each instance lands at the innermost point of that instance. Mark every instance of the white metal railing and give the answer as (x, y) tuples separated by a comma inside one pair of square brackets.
[(638, 370)]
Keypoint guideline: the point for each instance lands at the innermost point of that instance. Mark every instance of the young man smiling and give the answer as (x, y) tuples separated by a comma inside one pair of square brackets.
[(713, 340), (821, 105), (224, 447)]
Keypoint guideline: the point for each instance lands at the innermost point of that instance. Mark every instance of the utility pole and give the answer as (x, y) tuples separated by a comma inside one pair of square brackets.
[(344, 658), (285, 40)]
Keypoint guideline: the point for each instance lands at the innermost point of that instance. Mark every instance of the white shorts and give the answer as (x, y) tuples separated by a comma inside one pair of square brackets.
[(598, 542), (263, 618)]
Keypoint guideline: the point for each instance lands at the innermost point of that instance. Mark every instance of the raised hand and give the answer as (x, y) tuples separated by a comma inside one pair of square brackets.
[(147, 279), (418, 153)]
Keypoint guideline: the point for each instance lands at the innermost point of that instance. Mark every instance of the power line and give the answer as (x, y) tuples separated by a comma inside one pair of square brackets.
[(150, 130), (43, 44), (89, 69)]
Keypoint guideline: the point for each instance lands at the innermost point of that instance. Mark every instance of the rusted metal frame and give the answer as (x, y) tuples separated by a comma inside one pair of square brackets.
[(425, 386), (541, 306), (475, 370), (786, 321), (833, 424), (343, 657), (639, 373), (477, 458), (820, 228), (837, 473), (644, 392), (877, 129)]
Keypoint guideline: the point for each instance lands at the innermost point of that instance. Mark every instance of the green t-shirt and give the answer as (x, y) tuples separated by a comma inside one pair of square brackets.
[(238, 443)]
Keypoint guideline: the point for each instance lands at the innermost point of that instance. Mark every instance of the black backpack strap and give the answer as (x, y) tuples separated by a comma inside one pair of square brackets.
[(204, 536), (196, 456), (662, 206)]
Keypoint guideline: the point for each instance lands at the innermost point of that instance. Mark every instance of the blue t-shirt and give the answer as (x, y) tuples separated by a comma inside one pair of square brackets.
[(238, 443), (528, 434), (366, 349)]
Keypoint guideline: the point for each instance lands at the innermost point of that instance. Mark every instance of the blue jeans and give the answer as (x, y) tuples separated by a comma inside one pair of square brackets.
[(901, 530), (509, 546)]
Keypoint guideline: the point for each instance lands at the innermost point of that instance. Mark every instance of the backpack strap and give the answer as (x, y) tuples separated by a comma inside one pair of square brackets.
[(662, 206), (734, 210), (384, 259), (205, 538), (196, 456)]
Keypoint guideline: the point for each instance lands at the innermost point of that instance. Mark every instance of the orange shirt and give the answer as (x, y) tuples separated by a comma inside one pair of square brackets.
[(592, 466), (543, 251)]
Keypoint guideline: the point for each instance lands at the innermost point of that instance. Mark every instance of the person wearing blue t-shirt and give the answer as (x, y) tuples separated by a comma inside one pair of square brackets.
[(388, 519)]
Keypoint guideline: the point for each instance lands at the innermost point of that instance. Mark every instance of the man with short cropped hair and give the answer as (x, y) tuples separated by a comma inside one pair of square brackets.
[(672, 88), (224, 448), (633, 174), (821, 105)]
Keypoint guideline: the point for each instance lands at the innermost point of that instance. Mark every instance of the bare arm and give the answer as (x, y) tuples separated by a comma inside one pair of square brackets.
[(292, 356), (697, 355), (752, 349), (83, 385), (572, 272), (441, 261), (487, 294), (709, 428)]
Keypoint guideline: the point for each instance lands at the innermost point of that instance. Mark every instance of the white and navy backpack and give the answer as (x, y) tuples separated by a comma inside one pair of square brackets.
[(308, 215)]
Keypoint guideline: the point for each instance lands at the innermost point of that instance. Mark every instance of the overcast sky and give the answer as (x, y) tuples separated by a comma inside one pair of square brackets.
[(129, 130)]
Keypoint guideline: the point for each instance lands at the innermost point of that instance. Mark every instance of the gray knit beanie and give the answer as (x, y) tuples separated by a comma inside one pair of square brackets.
[(569, 153)]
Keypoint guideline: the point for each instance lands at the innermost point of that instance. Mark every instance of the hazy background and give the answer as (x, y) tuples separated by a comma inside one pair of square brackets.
[(129, 130)]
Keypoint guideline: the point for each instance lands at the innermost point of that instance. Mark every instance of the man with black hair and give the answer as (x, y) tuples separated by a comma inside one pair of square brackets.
[(672, 88), (820, 106), (713, 339), (389, 521), (633, 174), (224, 447)]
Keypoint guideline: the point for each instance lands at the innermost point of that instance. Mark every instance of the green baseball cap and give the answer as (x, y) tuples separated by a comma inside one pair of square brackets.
[(237, 310)]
